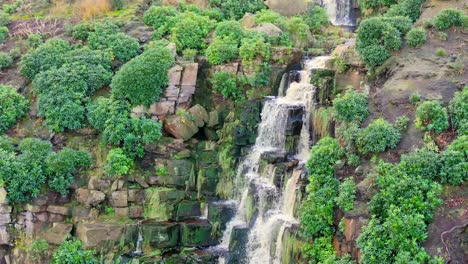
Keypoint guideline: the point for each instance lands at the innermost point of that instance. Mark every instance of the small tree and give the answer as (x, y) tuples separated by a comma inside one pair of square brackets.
[(431, 116), (416, 37), (71, 252), (12, 107), (352, 106), (378, 136)]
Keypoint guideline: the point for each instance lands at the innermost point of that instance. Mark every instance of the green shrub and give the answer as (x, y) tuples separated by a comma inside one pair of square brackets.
[(454, 167), (406, 8), (143, 79), (401, 23), (422, 163), (316, 17), (97, 113), (441, 52), (229, 28), (15, 53), (82, 30), (222, 50), (353, 160), (321, 250), (431, 116), (253, 48), (375, 4), (378, 136), (226, 84), (447, 18), (298, 28), (346, 194), (71, 252), (34, 40), (108, 36), (117, 4), (4, 19), (13, 106), (190, 31), (189, 54), (401, 123), (442, 35), (416, 37), (374, 55), (48, 55), (465, 22), (214, 14), (38, 250), (415, 98), (6, 144), (5, 60), (158, 16), (3, 34), (352, 106), (269, 16), (10, 9), (458, 109), (235, 9), (118, 163)]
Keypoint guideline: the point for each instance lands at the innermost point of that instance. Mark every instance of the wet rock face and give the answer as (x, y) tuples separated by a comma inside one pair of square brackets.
[(197, 233), (237, 244), (294, 124)]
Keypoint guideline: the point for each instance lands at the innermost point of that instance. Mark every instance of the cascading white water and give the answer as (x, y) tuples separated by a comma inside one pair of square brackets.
[(340, 12), (275, 205)]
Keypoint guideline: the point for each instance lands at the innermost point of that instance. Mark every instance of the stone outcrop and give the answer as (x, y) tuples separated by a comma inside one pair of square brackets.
[(288, 8), (186, 124), (89, 197), (95, 234), (57, 234)]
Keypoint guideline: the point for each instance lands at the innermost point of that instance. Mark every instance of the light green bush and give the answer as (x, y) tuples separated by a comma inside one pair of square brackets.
[(458, 109), (377, 137), (5, 60), (416, 37), (13, 106), (352, 106), (118, 164), (431, 116), (222, 50), (226, 84), (447, 18)]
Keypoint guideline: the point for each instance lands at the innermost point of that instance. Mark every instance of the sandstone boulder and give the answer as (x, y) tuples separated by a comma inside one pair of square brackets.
[(89, 197), (268, 29), (57, 234), (94, 235), (119, 199), (199, 115), (180, 127)]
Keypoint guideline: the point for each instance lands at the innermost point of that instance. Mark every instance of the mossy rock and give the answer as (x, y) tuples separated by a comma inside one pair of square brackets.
[(187, 210), (197, 234), (159, 235), (180, 174), (160, 203)]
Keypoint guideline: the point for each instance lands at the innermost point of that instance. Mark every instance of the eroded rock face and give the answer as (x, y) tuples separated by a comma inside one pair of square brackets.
[(185, 125), (288, 8), (57, 234), (94, 234), (89, 197)]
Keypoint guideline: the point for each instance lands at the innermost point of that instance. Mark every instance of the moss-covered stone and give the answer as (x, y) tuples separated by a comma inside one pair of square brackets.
[(187, 210), (197, 233), (160, 203), (180, 174), (159, 235)]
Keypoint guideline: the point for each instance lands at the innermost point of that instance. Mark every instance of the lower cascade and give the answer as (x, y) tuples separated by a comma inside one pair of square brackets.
[(266, 200), (340, 12)]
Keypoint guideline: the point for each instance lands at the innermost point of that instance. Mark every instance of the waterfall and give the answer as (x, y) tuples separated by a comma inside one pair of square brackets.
[(340, 12), (274, 204), (138, 249)]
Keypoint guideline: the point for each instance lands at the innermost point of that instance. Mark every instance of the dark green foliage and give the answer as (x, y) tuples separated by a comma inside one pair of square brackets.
[(117, 4), (3, 34), (401, 23), (34, 40), (352, 106), (454, 167), (38, 250), (235, 9), (346, 194), (12, 107), (447, 18), (63, 165), (5, 60), (48, 55), (316, 17), (317, 210), (82, 30), (108, 36), (160, 17), (254, 48), (214, 14), (222, 50), (11, 8), (143, 79), (4, 19), (406, 8), (6, 144), (320, 251), (71, 252), (229, 28), (190, 31), (375, 4), (269, 16), (459, 111), (416, 37), (226, 84), (431, 116), (118, 163), (377, 137), (422, 163), (119, 129), (374, 55)]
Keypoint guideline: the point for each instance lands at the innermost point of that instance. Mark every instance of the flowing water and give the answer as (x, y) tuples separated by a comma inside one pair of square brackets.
[(274, 204), (340, 12)]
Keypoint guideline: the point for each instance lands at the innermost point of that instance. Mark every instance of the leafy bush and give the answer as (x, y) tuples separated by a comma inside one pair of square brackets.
[(38, 250), (378, 136), (458, 109), (229, 28), (117, 4), (252, 48), (48, 55), (12, 107), (158, 16), (401, 23), (118, 163), (447, 18), (401, 123), (431, 116), (6, 144), (63, 165), (416, 37), (297, 28), (352, 106), (269, 16), (374, 55), (406, 8), (346, 194), (142, 79), (375, 4), (5, 60), (4, 19), (226, 84), (71, 252), (108, 36), (190, 31), (235, 9), (10, 9), (3, 34), (454, 167), (34, 40), (222, 50), (422, 163), (316, 17), (441, 52), (15, 53), (82, 30)]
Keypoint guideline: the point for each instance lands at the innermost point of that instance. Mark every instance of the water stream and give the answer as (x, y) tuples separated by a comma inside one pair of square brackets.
[(340, 12), (274, 204)]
